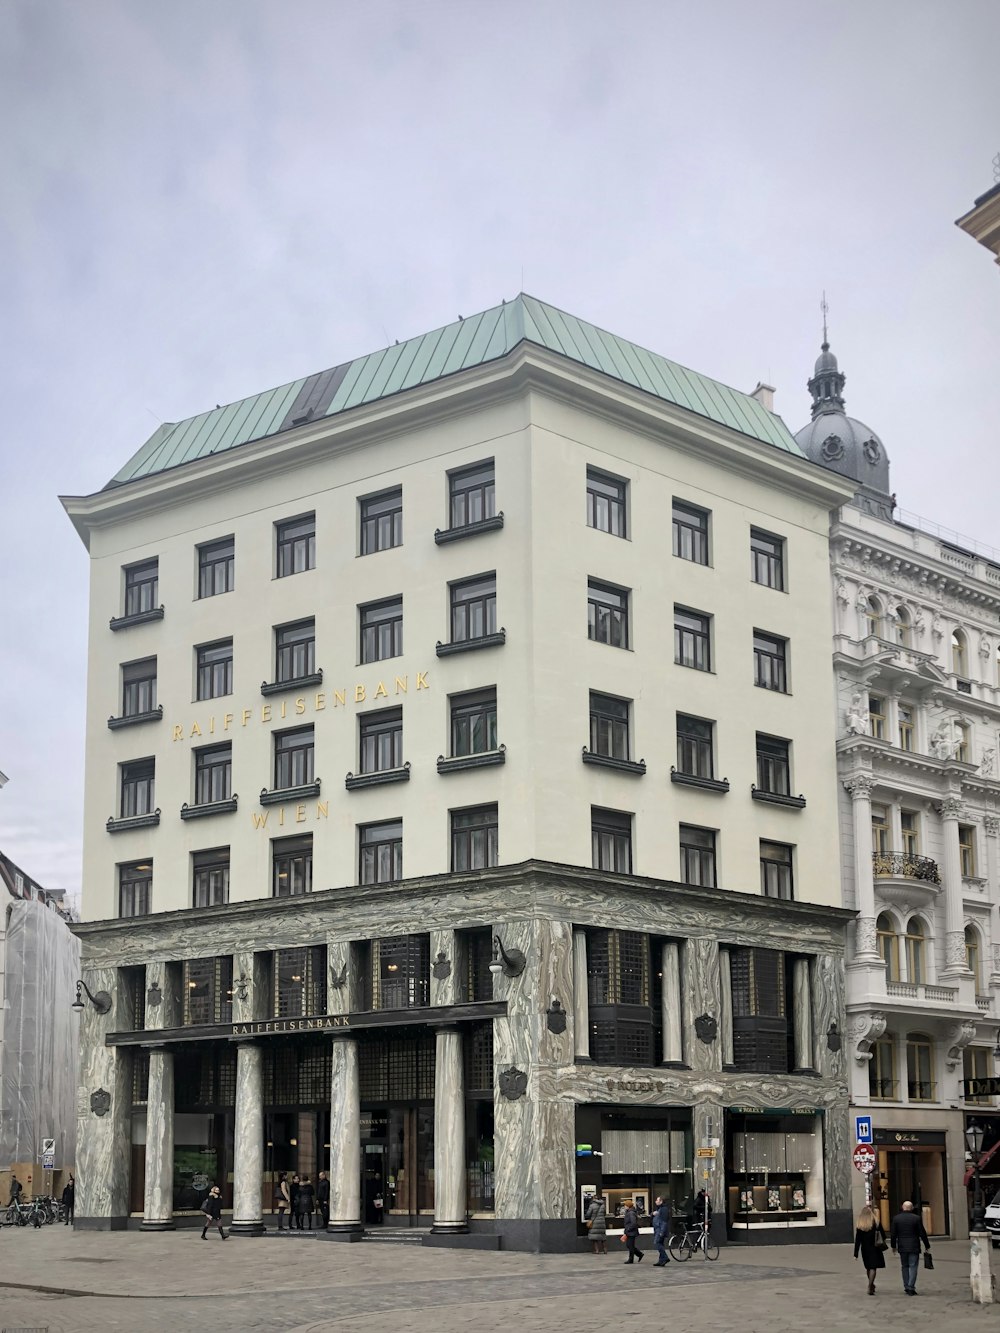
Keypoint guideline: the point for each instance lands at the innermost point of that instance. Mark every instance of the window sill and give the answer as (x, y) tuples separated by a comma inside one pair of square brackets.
[(268, 687), (484, 759), (771, 689), (636, 769), (444, 535), (135, 719), (470, 645), (283, 795), (227, 807), (692, 780), (355, 781), (137, 618), (775, 798), (133, 821)]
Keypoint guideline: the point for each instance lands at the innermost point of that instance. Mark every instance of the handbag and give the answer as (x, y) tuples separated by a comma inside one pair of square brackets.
[(880, 1241), (928, 1259)]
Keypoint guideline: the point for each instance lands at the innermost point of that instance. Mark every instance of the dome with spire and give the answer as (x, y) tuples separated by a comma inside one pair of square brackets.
[(839, 442)]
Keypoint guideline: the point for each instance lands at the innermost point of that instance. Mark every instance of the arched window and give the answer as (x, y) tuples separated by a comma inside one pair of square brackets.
[(888, 945), (915, 942), (959, 656), (972, 956), (919, 1067), (873, 616), (904, 627)]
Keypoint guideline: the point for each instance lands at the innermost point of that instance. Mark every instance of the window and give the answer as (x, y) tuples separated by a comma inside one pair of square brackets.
[(135, 888), (141, 587), (873, 616), (472, 494), (760, 1016), (215, 670), (400, 972), (880, 830), (475, 838), (299, 982), (882, 1070), (690, 533), (963, 745), (474, 608), (295, 651), (381, 740), (296, 539), (888, 945), (910, 825), (977, 1064), (381, 852), (959, 661), (967, 850), (382, 521), (293, 757), (213, 774), (770, 664), (876, 717), (904, 627), (139, 687), (211, 877), (606, 502), (137, 788), (291, 866), (611, 841), (697, 856), (609, 719), (914, 941), (621, 998), (217, 567), (692, 643), (767, 559), (694, 746), (207, 991), (382, 630), (905, 727), (776, 871), (773, 768), (972, 956), (474, 723), (607, 614), (919, 1067)]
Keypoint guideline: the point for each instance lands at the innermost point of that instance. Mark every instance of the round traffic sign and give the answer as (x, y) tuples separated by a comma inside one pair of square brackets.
[(864, 1158)]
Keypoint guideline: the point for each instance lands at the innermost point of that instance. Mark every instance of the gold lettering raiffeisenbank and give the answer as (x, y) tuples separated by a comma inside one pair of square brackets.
[(328, 1023)]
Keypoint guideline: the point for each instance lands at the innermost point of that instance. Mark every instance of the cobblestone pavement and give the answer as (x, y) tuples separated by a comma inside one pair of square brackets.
[(174, 1282)]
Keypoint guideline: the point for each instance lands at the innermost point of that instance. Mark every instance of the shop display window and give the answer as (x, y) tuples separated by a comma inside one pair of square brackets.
[(774, 1169), (632, 1157)]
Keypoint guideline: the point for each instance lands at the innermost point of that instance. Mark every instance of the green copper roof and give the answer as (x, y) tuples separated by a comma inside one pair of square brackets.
[(431, 356)]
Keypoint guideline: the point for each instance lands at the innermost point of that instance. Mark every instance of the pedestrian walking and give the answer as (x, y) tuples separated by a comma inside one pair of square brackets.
[(293, 1201), (68, 1195), (630, 1226), (281, 1200), (870, 1243), (323, 1198), (597, 1223), (15, 1189), (304, 1203), (906, 1235), (212, 1208), (661, 1231)]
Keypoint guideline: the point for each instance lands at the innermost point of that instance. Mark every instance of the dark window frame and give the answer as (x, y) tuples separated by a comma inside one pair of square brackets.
[(475, 838), (699, 858), (607, 503), (610, 726), (693, 639), (611, 840), (380, 626), (472, 494), (217, 566), (214, 670), (608, 614), (468, 711), (770, 662), (295, 545), (139, 687), (695, 748), (381, 519), (294, 757), (142, 588), (777, 872), (208, 760), (210, 877), (767, 566), (377, 843), (291, 860), (137, 788), (135, 888), (690, 532), (472, 606), (380, 741), (291, 643), (774, 764)]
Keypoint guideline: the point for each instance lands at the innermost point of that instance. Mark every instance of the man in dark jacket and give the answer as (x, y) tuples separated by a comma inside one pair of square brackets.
[(68, 1197), (661, 1231), (906, 1236), (630, 1226), (323, 1198)]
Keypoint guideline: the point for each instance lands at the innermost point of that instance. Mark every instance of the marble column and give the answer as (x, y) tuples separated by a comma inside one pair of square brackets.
[(345, 1138), (702, 999), (670, 1005), (450, 1212), (726, 1009), (952, 811), (158, 1213), (248, 1142), (865, 937), (802, 1021), (581, 1001), (104, 1110)]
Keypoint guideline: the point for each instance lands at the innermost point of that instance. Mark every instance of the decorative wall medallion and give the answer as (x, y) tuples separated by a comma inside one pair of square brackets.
[(707, 1028), (100, 1102), (513, 1083), (153, 997), (871, 451), (441, 967), (338, 980), (833, 1040), (555, 1017), (831, 448)]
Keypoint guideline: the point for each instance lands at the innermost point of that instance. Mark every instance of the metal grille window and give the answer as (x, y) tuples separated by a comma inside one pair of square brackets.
[(478, 953), (215, 669), (396, 1068), (606, 502), (140, 1078), (382, 630), (382, 521), (475, 836), (697, 856), (474, 608), (299, 982), (694, 746), (380, 852), (692, 639), (760, 1024), (217, 567), (213, 774), (141, 587), (621, 1042), (609, 725), (767, 559), (211, 877), (773, 769), (381, 740), (295, 650), (618, 967), (293, 757), (611, 840), (607, 614), (296, 545), (139, 687), (401, 972), (291, 866), (770, 664), (472, 494), (207, 991), (137, 788), (479, 1058), (690, 533), (776, 870), (135, 888), (473, 722)]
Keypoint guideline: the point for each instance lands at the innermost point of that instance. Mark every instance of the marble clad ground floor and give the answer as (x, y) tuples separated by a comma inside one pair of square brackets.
[(475, 1057)]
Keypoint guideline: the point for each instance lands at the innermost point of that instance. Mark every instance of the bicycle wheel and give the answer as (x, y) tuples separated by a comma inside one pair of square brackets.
[(711, 1250), (678, 1248)]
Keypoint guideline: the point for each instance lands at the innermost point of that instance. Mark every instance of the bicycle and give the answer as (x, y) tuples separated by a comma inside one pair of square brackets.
[(19, 1214), (694, 1237)]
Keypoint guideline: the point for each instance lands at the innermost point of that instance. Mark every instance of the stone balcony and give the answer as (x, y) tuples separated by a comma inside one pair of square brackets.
[(905, 878)]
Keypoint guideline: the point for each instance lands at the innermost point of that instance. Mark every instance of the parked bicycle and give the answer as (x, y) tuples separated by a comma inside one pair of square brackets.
[(693, 1238), (19, 1214)]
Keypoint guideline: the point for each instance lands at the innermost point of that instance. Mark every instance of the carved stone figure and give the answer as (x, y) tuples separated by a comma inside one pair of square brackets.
[(991, 825), (943, 743), (843, 595), (956, 1039), (985, 649), (987, 762), (937, 628), (857, 715), (863, 1032)]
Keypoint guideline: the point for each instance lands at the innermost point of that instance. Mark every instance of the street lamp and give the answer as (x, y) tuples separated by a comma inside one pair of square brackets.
[(509, 962), (974, 1142), (101, 1001)]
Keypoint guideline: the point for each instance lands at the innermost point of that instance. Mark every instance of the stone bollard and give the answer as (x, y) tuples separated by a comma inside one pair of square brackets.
[(982, 1279)]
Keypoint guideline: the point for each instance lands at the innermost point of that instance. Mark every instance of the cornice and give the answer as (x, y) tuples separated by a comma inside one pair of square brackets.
[(902, 567)]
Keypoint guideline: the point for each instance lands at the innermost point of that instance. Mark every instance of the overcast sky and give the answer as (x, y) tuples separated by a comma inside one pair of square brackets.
[(202, 199)]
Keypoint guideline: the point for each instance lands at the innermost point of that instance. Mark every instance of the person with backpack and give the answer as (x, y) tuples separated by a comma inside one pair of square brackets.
[(212, 1208)]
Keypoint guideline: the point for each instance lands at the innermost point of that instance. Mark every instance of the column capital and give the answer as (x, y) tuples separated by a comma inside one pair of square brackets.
[(860, 786), (951, 808)]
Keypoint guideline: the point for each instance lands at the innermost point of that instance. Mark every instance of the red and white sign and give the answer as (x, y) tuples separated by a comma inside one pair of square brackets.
[(864, 1158)]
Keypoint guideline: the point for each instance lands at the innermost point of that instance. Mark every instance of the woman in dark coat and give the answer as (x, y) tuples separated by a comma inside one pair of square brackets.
[(304, 1203), (866, 1239), (211, 1206), (597, 1216)]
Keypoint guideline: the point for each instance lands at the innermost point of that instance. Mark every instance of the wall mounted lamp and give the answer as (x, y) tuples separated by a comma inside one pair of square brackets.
[(510, 964), (101, 1001)]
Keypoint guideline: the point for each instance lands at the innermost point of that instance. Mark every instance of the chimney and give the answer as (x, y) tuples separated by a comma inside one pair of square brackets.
[(764, 393)]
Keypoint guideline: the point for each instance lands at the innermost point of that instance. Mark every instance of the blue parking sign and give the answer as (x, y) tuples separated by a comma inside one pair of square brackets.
[(863, 1128)]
